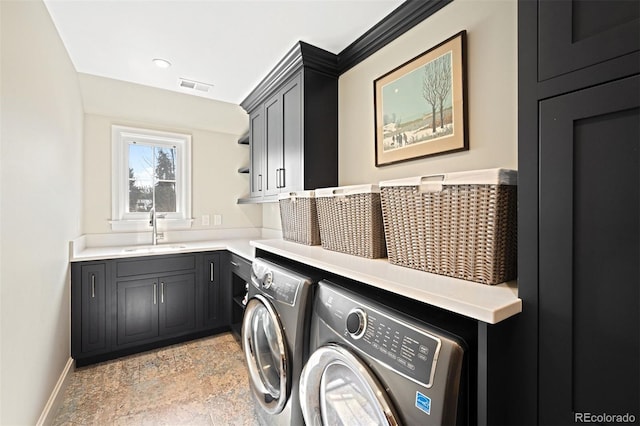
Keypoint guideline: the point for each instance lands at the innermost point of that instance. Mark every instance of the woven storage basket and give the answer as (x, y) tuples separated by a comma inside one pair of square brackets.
[(462, 225), (350, 219), (299, 217)]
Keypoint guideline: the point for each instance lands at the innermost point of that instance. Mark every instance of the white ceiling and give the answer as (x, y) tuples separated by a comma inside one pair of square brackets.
[(229, 44)]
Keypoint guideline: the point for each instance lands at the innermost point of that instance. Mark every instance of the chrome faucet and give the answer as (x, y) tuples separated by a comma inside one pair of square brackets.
[(153, 222)]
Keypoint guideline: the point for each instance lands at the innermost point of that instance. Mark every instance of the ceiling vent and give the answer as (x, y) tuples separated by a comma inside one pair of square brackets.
[(195, 85)]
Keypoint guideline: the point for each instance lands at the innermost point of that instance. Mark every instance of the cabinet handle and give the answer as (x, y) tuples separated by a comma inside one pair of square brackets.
[(211, 271), (235, 265), (162, 292), (260, 182), (282, 177), (277, 178), (93, 285), (155, 298)]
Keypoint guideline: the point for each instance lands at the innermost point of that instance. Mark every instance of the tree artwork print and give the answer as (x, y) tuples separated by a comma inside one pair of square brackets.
[(420, 107)]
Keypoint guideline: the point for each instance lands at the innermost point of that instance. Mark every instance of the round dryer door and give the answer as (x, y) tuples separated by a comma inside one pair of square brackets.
[(266, 354), (337, 388)]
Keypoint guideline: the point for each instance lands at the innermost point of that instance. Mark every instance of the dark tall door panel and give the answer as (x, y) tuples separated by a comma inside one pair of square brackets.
[(94, 308), (580, 33), (257, 151), (589, 298)]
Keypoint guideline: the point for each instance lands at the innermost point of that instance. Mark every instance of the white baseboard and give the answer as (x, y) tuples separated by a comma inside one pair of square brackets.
[(50, 409)]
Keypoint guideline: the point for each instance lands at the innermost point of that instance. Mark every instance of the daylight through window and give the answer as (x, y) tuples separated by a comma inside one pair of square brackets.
[(152, 178), (151, 169)]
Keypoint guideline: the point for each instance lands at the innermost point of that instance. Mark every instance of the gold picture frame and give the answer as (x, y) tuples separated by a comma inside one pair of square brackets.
[(420, 107)]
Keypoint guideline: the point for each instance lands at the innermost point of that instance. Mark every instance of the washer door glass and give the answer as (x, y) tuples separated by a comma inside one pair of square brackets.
[(265, 352), (337, 388)]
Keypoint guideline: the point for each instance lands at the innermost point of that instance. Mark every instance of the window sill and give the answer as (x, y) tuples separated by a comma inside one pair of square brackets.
[(143, 225)]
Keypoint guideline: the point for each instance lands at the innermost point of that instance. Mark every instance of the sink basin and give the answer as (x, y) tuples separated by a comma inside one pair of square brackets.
[(153, 249)]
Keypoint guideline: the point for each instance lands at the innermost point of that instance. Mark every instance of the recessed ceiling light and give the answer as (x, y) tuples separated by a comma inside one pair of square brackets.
[(161, 63)]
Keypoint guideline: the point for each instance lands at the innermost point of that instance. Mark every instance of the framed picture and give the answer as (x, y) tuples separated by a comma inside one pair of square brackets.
[(420, 107)]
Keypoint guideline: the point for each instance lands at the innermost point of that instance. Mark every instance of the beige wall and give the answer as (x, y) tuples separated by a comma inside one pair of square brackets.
[(216, 156), (492, 95), (41, 169)]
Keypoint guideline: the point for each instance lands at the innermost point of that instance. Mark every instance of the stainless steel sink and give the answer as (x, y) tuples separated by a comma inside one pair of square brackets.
[(153, 249)]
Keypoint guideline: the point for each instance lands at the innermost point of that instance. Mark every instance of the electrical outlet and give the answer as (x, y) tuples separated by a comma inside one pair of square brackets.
[(205, 220), (217, 219)]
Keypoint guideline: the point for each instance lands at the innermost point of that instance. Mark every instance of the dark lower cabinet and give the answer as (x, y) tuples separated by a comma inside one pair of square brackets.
[(155, 307), (216, 295), (240, 275), (93, 328), (122, 306), (137, 307), (177, 304)]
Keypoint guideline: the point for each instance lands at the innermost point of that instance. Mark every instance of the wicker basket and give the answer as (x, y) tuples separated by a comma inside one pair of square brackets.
[(299, 217), (462, 225), (350, 220)]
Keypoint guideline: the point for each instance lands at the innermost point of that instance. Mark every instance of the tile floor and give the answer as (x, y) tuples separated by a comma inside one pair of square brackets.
[(203, 382)]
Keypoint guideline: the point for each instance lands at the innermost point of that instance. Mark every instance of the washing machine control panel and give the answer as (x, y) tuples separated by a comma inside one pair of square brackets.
[(275, 284), (410, 351)]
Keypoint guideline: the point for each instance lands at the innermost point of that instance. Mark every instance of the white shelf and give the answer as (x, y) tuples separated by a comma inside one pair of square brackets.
[(490, 304)]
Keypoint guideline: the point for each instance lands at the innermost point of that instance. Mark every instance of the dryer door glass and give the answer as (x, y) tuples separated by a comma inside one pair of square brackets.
[(337, 388), (265, 353)]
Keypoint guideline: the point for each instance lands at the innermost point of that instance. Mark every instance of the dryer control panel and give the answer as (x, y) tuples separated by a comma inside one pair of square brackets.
[(409, 350), (275, 282)]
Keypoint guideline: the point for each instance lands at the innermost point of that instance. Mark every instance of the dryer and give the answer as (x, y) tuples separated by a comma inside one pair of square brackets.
[(370, 364), (275, 339)]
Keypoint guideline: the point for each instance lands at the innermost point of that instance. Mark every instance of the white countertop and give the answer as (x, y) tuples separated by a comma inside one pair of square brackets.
[(490, 304), (239, 246)]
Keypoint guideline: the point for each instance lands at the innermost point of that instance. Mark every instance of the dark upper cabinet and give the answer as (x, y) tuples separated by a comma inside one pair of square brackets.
[(293, 119), (256, 143), (273, 152), (576, 35), (90, 301), (589, 251)]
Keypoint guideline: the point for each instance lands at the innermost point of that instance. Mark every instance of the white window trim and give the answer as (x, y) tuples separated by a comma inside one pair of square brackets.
[(121, 220)]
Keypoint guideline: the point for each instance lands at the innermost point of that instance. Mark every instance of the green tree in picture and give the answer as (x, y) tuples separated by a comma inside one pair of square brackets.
[(165, 187)]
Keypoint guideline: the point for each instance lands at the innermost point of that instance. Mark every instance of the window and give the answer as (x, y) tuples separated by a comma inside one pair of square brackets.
[(151, 169)]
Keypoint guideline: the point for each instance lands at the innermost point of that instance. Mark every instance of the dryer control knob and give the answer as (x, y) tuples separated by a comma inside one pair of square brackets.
[(267, 280), (357, 323)]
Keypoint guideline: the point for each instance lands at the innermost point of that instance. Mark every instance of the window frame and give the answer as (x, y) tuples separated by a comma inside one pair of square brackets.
[(121, 218)]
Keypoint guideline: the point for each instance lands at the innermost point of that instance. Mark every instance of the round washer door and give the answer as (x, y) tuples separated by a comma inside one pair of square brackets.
[(266, 354), (337, 388)]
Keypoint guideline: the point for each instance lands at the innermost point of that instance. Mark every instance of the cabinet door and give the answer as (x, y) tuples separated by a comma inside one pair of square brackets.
[(579, 33), (137, 311), (177, 304), (93, 308), (290, 177), (273, 145), (256, 142), (212, 291), (589, 326)]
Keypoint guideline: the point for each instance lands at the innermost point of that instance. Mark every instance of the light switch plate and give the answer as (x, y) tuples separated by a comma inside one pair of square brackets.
[(217, 219), (205, 220)]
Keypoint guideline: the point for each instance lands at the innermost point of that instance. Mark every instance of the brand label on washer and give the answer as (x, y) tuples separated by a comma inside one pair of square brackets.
[(423, 402)]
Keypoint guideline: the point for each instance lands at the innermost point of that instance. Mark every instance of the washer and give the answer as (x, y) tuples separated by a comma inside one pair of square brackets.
[(370, 364), (275, 339)]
